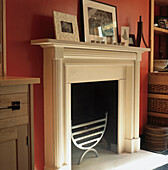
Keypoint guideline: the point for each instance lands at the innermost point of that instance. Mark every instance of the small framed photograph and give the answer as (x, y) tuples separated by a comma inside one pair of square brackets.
[(125, 35), (131, 40), (66, 27), (100, 21)]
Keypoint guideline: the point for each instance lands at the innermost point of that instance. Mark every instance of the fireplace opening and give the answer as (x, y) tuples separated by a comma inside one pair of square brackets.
[(90, 101)]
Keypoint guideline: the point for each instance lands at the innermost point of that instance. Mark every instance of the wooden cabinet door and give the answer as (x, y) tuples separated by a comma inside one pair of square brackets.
[(13, 148)]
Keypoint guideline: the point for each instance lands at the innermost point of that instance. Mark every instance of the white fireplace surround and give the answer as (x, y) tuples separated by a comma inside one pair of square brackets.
[(70, 62)]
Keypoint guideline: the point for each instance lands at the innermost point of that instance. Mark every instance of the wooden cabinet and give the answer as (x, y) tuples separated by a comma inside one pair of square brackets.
[(16, 123), (158, 36)]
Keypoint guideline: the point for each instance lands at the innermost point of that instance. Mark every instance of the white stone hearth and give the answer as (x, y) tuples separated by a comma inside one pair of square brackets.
[(70, 62)]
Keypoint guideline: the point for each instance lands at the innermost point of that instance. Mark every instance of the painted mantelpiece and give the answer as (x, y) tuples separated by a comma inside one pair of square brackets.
[(71, 62)]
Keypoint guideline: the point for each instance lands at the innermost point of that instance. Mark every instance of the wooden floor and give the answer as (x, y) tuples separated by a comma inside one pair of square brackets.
[(107, 160)]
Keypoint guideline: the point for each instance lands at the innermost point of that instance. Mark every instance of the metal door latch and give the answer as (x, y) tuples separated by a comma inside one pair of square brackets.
[(15, 106)]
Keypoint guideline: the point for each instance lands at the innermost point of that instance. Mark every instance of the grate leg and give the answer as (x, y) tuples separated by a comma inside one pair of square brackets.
[(89, 150)]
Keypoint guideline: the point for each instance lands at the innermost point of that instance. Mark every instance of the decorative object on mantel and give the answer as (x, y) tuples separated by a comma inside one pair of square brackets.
[(66, 27), (109, 39), (125, 35), (131, 40), (140, 33), (100, 22), (87, 135)]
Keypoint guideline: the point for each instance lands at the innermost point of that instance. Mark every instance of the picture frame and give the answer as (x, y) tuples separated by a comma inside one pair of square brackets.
[(100, 22), (65, 26), (125, 35), (131, 40)]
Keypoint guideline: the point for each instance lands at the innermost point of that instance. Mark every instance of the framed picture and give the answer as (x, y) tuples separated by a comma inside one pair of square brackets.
[(125, 35), (131, 40), (100, 21), (66, 27)]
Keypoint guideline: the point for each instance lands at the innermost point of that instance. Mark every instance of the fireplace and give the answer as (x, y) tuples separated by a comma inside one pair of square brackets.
[(91, 101), (67, 64), (94, 118)]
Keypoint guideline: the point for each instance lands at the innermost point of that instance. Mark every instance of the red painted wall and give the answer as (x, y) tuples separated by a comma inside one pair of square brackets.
[(32, 19)]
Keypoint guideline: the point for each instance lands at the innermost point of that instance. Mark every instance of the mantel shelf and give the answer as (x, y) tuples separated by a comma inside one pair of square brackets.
[(84, 45)]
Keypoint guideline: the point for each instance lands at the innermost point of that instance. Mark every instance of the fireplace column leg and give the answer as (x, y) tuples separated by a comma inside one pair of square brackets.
[(53, 109), (132, 140), (129, 123), (137, 103), (58, 96)]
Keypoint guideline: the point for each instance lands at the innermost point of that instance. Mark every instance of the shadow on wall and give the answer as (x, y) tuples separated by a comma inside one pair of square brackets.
[(46, 27)]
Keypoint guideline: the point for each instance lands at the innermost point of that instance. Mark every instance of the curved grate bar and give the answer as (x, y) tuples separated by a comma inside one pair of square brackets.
[(88, 130), (92, 134)]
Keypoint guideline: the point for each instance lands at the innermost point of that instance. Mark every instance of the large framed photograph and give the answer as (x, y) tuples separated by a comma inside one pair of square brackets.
[(66, 27), (100, 21)]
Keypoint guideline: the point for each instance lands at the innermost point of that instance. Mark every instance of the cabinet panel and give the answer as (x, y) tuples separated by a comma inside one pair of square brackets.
[(15, 121), (8, 150), (8, 134), (8, 156), (14, 151), (23, 155)]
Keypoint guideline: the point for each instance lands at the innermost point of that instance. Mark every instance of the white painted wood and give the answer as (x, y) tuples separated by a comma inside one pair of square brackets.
[(45, 43), (121, 115), (71, 62), (129, 102), (58, 112), (67, 130), (132, 145), (137, 96), (98, 54), (48, 108), (91, 73)]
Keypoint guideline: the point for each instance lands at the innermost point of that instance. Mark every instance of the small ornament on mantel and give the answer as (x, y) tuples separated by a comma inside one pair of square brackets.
[(125, 35)]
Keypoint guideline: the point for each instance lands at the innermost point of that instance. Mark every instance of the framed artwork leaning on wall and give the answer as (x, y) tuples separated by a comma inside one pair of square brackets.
[(100, 21)]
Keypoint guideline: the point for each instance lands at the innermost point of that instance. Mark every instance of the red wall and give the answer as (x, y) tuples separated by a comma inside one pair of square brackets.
[(32, 19)]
